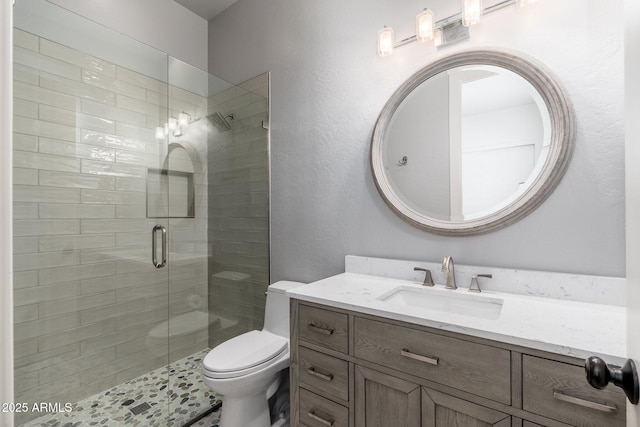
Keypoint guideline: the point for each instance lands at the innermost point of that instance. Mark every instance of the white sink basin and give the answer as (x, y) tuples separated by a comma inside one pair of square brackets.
[(448, 301)]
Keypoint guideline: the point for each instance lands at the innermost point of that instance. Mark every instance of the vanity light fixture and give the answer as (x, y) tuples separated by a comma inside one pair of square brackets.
[(174, 126), (173, 123), (160, 132), (443, 32), (184, 119), (471, 12), (425, 26), (386, 41), (437, 37)]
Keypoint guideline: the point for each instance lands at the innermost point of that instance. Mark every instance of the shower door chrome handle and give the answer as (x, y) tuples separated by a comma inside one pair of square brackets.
[(154, 244)]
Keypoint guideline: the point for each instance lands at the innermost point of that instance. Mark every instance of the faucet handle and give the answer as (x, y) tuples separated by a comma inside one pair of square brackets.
[(475, 286), (428, 280)]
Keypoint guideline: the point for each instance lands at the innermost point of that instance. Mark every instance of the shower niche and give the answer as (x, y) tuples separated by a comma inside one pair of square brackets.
[(181, 205), (171, 190)]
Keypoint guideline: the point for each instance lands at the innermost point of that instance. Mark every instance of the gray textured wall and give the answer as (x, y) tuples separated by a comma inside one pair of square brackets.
[(328, 86)]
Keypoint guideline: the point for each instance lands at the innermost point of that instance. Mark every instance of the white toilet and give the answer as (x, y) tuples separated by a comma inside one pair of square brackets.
[(247, 369)]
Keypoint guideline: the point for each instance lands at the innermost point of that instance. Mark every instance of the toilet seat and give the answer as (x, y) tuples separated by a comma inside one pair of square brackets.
[(244, 354)]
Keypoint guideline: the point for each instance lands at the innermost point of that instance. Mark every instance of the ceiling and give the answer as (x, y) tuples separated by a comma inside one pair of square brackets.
[(206, 8)]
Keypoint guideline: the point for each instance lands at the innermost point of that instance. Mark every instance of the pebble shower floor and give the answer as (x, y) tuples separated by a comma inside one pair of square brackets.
[(188, 399)]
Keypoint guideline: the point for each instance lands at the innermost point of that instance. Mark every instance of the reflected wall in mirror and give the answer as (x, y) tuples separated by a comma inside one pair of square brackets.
[(473, 149), (472, 142)]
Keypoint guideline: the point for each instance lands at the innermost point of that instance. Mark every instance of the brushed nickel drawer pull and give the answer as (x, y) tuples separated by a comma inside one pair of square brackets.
[(426, 359), (320, 329), (313, 371), (325, 421), (609, 408)]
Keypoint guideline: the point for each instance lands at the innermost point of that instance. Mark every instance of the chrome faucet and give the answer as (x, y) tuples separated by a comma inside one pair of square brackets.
[(447, 267)]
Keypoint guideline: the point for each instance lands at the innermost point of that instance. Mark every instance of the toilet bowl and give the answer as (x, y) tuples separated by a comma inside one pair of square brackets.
[(246, 370)]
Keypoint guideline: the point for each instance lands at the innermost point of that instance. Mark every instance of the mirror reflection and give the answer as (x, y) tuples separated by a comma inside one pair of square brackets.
[(466, 142)]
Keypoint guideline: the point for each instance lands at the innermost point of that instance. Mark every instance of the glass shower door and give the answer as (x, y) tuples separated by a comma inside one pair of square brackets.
[(218, 181), (185, 173), (91, 309)]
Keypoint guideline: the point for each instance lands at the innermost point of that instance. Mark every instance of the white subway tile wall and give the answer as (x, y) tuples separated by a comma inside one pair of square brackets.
[(86, 293), (239, 206)]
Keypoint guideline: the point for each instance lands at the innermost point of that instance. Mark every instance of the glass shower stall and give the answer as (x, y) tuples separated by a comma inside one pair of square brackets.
[(141, 222)]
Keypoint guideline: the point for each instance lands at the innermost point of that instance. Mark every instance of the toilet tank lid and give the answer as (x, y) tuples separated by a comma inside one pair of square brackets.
[(284, 285)]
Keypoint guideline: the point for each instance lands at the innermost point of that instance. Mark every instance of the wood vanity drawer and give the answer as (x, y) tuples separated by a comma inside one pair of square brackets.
[(316, 411), (478, 369), (560, 391), (326, 328), (327, 375)]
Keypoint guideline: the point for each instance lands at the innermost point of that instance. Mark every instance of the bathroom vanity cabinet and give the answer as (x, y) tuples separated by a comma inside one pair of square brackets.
[(350, 369)]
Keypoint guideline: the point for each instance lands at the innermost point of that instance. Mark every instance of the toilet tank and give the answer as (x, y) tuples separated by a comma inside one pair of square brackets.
[(276, 312)]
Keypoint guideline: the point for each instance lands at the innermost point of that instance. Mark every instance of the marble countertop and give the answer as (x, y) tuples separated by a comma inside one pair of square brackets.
[(572, 328)]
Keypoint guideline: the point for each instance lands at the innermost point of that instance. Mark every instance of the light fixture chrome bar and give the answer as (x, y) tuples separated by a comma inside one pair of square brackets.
[(498, 6), (403, 42), (457, 17)]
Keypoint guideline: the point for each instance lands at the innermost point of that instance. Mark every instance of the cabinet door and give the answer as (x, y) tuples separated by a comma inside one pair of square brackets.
[(382, 400), (441, 410), (559, 391)]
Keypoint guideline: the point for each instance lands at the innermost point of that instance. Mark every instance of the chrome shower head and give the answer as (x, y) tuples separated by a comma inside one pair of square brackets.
[(220, 122)]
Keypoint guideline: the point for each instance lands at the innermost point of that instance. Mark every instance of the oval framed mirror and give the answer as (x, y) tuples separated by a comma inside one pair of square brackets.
[(472, 142)]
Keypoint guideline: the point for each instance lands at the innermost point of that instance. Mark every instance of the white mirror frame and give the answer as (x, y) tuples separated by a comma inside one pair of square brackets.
[(563, 133)]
